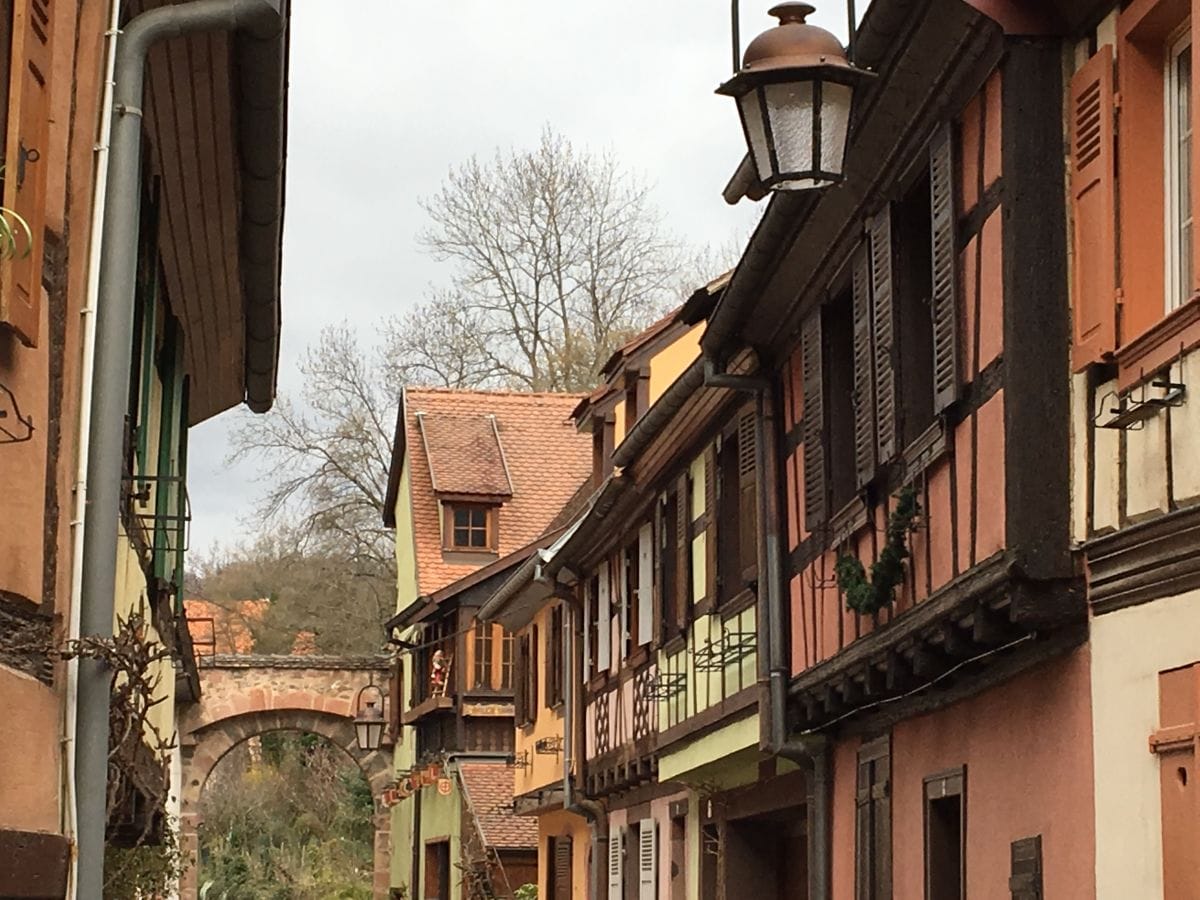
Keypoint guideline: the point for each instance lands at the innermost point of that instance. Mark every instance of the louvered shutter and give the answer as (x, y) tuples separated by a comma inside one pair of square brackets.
[(747, 493), (645, 603), (588, 600), (683, 544), (813, 374), (648, 860), (944, 302), (621, 590), (27, 149), (863, 833), (881, 815), (864, 370), (522, 677), (883, 328), (1093, 220), (562, 868), (711, 502), (1025, 874), (616, 863), (604, 641)]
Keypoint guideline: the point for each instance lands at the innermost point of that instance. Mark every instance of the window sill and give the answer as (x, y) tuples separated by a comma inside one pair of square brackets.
[(637, 658), (1146, 355), (738, 603), (925, 450), (675, 644), (848, 520)]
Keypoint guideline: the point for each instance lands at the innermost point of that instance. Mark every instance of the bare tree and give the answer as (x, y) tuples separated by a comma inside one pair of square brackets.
[(557, 258)]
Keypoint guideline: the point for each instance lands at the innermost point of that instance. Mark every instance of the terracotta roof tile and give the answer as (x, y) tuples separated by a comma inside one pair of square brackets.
[(465, 454), (489, 792), (546, 461)]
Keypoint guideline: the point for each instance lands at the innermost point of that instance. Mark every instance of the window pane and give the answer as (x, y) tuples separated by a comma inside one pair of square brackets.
[(478, 518), (462, 537), (462, 517)]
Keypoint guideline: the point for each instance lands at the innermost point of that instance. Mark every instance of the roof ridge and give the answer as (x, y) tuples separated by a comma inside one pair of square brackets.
[(488, 392)]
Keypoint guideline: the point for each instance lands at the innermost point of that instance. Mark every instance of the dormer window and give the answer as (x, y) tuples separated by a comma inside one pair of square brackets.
[(470, 527)]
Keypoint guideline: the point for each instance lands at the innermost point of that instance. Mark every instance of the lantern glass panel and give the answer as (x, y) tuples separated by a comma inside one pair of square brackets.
[(790, 108), (750, 106), (835, 123)]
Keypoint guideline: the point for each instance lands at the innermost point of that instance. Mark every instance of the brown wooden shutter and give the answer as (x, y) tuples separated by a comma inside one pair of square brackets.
[(562, 868), (881, 815), (884, 330), (711, 479), (1025, 878), (864, 381), (25, 167), (944, 302), (519, 681), (661, 549), (1093, 219), (683, 546), (747, 494), (862, 833), (813, 374), (873, 822)]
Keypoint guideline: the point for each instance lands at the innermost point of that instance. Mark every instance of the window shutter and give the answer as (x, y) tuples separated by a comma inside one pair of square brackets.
[(864, 381), (813, 374), (604, 644), (648, 861), (884, 331), (25, 165), (622, 594), (588, 600), (881, 815), (1025, 880), (944, 302), (519, 681), (562, 868), (711, 503), (645, 605), (616, 860), (1093, 220), (683, 544), (862, 833), (747, 492)]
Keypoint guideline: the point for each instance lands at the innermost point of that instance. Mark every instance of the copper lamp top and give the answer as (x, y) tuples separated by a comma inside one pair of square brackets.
[(793, 43)]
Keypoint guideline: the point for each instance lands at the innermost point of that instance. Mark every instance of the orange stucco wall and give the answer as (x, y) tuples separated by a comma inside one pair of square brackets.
[(557, 825), (35, 558), (1027, 748)]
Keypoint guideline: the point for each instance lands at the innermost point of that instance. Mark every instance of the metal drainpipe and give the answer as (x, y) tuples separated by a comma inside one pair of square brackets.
[(811, 754), (110, 389), (591, 811)]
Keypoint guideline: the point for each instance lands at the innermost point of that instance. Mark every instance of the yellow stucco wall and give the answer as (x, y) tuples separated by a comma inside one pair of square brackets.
[(560, 824), (543, 769), (670, 362), (406, 547), (1129, 648)]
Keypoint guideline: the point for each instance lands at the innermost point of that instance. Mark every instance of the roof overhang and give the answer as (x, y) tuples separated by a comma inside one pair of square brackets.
[(216, 121)]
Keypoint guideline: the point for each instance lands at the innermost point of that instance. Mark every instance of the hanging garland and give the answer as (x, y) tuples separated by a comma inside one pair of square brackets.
[(867, 596)]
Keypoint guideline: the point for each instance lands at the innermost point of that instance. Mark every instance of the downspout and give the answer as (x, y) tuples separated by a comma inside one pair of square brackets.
[(811, 753), (592, 812), (110, 388), (87, 365)]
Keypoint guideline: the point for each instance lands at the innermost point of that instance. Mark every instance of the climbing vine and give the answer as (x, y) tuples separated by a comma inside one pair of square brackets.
[(869, 595)]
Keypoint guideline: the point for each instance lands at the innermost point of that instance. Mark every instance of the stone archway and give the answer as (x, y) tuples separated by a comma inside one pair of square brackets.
[(243, 697)]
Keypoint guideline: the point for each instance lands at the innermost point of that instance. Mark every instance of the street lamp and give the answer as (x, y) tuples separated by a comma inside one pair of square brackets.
[(368, 718), (794, 93)]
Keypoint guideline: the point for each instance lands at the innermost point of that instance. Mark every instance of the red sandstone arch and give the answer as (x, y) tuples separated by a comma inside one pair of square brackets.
[(243, 697)]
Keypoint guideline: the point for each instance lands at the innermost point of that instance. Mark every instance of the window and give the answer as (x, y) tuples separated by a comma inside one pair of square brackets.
[(554, 658), (482, 676), (668, 566), (470, 526), (873, 822), (629, 599), (637, 396), (593, 624), (525, 702), (945, 858), (1179, 169), (913, 271)]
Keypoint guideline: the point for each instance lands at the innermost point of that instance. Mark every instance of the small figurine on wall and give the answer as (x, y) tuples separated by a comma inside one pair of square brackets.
[(439, 674)]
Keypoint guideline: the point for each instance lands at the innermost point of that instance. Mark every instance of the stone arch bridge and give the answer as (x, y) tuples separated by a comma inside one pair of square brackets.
[(246, 695)]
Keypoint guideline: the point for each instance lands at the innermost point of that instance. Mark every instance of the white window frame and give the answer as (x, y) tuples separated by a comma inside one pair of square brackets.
[(1177, 293)]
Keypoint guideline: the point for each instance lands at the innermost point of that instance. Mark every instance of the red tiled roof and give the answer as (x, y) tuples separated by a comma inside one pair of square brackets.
[(489, 791), (545, 458), (230, 628), (465, 454)]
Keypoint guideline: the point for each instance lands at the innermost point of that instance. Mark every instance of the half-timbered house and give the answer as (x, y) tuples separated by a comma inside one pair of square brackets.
[(1136, 314), (477, 478), (923, 620)]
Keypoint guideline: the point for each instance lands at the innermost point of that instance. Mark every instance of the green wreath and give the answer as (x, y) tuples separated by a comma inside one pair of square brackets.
[(867, 596)]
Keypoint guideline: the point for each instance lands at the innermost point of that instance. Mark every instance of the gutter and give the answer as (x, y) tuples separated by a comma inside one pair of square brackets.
[(264, 22)]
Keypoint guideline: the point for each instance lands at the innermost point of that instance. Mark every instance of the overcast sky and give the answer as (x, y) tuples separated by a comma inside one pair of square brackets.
[(387, 95)]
